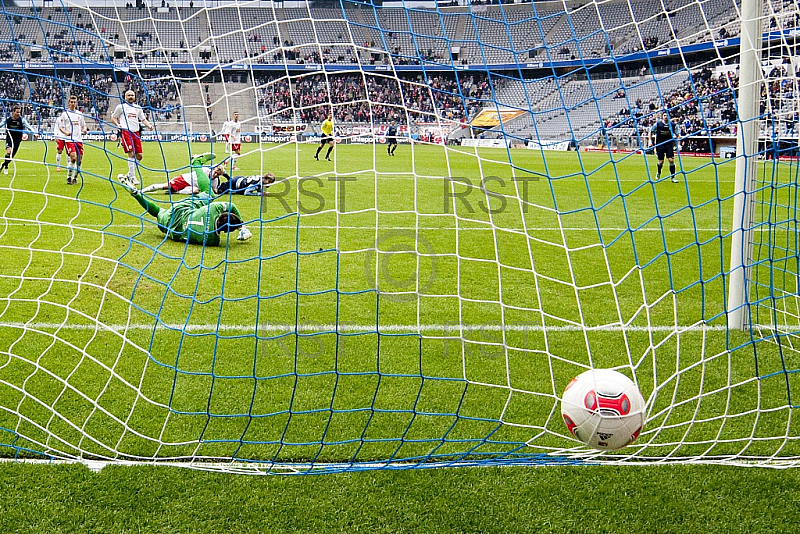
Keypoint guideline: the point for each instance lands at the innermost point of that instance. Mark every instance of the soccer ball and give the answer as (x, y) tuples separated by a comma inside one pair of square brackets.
[(604, 409)]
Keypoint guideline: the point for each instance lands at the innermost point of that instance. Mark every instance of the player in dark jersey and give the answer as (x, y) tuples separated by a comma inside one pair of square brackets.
[(661, 133), (240, 185), (15, 125), (391, 139)]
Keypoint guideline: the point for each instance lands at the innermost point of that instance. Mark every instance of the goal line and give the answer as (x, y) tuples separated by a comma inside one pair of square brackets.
[(366, 328)]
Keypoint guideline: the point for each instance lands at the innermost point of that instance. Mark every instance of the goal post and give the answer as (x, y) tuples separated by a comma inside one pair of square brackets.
[(764, 287), (747, 151)]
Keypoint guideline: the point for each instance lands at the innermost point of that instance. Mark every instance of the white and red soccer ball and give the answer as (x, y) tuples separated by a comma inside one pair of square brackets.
[(604, 409)]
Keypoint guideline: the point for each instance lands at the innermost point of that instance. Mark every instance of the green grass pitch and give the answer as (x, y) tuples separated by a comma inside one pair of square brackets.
[(74, 257), (117, 343)]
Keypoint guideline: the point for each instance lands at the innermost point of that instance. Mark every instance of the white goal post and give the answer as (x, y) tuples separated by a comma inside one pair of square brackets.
[(750, 86)]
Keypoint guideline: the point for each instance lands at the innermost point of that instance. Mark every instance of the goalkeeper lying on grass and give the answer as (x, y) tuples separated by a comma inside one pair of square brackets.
[(196, 220)]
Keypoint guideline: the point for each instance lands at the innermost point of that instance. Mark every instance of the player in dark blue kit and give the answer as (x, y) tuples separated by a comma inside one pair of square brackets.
[(665, 145), (240, 185), (391, 139), (15, 125)]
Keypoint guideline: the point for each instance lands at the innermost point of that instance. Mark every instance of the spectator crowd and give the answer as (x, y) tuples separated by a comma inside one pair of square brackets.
[(369, 97)]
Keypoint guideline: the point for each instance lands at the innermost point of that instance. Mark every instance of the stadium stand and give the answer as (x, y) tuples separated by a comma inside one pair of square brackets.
[(493, 34), (178, 38)]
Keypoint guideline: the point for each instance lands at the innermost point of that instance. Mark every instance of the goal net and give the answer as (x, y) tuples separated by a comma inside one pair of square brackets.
[(484, 217)]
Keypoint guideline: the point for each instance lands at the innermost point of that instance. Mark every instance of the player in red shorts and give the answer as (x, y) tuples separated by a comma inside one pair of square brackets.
[(61, 141), (232, 130), (189, 183), (72, 126), (127, 117)]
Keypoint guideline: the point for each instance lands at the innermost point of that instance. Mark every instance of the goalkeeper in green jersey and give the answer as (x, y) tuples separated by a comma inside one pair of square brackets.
[(196, 220)]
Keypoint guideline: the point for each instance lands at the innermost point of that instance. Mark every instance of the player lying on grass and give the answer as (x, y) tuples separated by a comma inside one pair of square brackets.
[(240, 185), (193, 182), (195, 220)]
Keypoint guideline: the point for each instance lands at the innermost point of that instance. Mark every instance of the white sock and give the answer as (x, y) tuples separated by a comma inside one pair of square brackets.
[(58, 160), (132, 169), (74, 172), (69, 166), (151, 188)]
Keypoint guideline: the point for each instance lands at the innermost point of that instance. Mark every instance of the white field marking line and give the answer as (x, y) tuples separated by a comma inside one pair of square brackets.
[(346, 327), (558, 456), (267, 225)]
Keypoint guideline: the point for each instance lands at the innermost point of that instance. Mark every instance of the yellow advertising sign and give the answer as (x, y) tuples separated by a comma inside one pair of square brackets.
[(491, 117)]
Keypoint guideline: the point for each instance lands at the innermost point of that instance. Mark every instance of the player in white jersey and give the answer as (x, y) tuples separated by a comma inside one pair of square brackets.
[(232, 130), (127, 116), (72, 126), (61, 140)]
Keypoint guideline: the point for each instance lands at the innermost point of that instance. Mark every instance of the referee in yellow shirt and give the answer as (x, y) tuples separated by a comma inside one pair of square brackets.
[(327, 137)]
